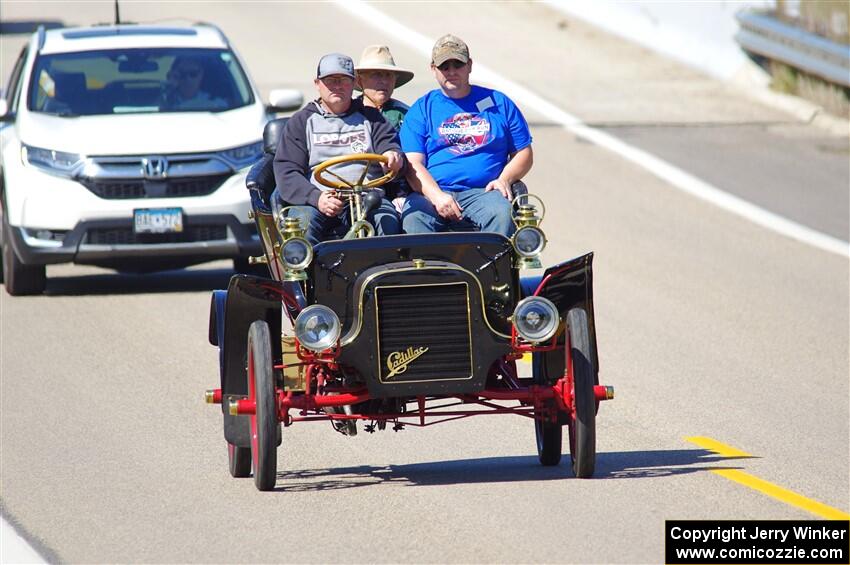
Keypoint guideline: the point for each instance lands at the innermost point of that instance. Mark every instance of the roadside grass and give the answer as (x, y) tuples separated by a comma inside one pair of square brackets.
[(833, 98)]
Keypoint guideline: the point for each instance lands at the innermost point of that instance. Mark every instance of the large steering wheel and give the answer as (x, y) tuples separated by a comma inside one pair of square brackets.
[(345, 185)]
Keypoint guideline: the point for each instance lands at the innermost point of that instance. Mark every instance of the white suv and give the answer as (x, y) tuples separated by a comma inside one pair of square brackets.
[(127, 147)]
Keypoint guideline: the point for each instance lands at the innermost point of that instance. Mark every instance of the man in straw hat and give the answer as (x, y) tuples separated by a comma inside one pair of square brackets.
[(377, 77), (466, 145)]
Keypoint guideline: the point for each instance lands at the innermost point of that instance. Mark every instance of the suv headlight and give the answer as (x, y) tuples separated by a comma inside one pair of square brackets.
[(317, 328), (244, 155), (57, 162), (536, 319)]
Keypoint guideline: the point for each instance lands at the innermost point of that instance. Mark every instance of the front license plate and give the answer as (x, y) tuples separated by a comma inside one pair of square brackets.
[(158, 220)]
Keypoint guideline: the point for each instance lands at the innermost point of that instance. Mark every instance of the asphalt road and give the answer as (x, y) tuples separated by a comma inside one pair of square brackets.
[(708, 326)]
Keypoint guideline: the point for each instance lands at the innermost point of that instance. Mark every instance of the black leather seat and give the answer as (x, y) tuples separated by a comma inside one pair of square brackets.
[(260, 180), (272, 134)]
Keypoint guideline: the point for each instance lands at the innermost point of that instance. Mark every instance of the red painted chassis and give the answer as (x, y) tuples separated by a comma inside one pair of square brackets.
[(533, 401)]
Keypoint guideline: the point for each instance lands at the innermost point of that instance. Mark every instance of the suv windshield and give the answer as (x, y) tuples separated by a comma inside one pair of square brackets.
[(138, 80)]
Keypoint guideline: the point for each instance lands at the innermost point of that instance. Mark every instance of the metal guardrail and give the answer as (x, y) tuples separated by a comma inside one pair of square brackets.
[(810, 53)]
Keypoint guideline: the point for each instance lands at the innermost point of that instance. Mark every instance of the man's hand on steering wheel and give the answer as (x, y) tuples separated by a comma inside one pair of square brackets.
[(394, 161), (329, 204)]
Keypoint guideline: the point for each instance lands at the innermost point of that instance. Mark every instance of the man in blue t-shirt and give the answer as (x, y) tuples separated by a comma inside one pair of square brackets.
[(466, 145)]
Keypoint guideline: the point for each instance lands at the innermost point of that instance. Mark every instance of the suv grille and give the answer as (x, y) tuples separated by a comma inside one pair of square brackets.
[(121, 189), (424, 333), (125, 236)]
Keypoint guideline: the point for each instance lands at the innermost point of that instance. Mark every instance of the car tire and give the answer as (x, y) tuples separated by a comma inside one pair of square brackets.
[(239, 460), (264, 422), (549, 442), (582, 422), (549, 434), (20, 279)]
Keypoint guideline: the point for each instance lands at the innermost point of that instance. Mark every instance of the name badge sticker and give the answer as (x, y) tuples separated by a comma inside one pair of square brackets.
[(484, 103)]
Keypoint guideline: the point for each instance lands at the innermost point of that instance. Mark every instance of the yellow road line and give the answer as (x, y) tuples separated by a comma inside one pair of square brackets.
[(765, 487), (784, 495), (717, 447)]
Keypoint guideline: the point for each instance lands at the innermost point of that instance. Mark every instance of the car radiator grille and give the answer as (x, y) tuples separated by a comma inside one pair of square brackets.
[(125, 236), (424, 333), (123, 189)]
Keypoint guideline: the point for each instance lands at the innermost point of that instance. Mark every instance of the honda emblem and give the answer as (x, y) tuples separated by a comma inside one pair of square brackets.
[(155, 168)]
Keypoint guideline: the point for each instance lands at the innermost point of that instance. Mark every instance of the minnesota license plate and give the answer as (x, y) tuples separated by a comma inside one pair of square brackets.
[(158, 220)]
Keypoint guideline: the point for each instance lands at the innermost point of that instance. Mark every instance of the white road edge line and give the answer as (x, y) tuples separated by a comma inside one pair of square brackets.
[(14, 548), (662, 169)]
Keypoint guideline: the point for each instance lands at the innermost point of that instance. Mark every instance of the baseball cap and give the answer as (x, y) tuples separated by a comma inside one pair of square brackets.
[(335, 64), (447, 48)]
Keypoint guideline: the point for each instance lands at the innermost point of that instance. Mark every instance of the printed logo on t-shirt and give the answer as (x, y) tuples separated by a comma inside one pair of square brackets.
[(465, 132), (354, 139)]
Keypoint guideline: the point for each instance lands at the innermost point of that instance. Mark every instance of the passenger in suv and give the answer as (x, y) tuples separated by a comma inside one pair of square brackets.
[(127, 147)]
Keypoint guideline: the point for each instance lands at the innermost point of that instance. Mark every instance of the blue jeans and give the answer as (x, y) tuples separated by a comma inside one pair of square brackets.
[(384, 218), (486, 211)]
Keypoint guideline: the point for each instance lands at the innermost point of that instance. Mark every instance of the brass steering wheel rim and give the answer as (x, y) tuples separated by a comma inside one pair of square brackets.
[(342, 184)]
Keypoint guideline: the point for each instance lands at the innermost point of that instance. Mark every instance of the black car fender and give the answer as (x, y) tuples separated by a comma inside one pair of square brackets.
[(568, 285)]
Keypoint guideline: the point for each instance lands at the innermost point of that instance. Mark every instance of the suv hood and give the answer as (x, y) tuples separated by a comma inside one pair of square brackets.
[(140, 134)]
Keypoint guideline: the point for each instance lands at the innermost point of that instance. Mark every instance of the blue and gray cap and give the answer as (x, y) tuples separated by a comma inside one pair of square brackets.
[(335, 64)]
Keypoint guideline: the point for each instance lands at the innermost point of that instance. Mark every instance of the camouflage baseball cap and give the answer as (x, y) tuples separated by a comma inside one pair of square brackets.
[(447, 48)]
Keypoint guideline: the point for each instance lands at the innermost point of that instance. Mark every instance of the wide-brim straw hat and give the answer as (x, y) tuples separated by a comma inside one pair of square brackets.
[(379, 58)]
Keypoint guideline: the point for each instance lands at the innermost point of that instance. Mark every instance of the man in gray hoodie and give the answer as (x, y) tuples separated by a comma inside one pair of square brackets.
[(331, 126)]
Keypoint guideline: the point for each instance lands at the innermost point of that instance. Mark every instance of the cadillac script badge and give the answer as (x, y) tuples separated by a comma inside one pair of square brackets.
[(398, 361)]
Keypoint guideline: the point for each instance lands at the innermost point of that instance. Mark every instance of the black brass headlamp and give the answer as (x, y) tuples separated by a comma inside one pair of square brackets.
[(296, 253), (528, 240)]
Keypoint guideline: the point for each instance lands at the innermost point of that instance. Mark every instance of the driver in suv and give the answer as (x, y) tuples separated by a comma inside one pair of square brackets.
[(184, 87)]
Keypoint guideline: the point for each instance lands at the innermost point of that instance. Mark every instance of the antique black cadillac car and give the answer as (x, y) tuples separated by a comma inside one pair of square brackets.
[(406, 330)]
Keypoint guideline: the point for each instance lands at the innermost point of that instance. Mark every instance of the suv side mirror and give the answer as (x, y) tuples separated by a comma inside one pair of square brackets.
[(5, 115), (285, 100)]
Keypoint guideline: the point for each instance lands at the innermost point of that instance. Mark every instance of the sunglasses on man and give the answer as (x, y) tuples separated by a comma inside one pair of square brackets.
[(451, 64)]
